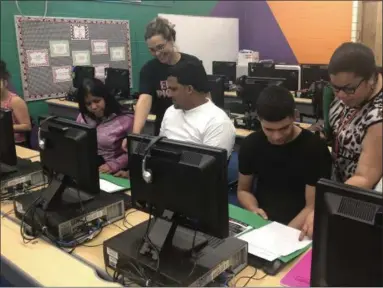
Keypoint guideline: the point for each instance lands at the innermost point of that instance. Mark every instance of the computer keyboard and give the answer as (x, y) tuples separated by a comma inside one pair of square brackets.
[(236, 227)]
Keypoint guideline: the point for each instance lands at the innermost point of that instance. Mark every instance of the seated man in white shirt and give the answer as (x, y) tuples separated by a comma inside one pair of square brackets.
[(193, 117)]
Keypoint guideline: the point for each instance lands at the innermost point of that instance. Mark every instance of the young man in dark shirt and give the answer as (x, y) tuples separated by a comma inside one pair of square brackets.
[(284, 159)]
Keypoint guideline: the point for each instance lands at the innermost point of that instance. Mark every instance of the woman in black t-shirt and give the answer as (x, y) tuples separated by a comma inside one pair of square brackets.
[(160, 37)]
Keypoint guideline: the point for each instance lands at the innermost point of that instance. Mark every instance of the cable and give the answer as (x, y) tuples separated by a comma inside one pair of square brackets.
[(125, 221), (21, 13), (249, 278)]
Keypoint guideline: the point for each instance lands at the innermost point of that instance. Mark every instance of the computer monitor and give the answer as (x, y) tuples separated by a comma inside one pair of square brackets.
[(225, 68), (189, 183), (7, 140), (251, 87), (256, 69), (117, 82), (68, 151), (292, 78), (313, 72), (348, 236), (80, 73), (217, 89)]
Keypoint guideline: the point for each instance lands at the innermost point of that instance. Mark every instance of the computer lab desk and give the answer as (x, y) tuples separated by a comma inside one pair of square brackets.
[(39, 263), (43, 264), (67, 109)]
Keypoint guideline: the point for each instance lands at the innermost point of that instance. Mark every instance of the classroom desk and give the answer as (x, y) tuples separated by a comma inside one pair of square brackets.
[(303, 105), (26, 153), (63, 108), (19, 260), (23, 256)]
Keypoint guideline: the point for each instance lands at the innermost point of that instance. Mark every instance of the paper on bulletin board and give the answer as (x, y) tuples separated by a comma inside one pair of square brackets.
[(81, 58), (59, 48)]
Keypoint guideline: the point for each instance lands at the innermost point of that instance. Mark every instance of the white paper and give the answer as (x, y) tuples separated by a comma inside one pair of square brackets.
[(99, 47), (99, 70), (274, 239), (117, 53), (109, 187), (38, 58), (81, 58), (59, 48), (79, 32), (62, 74)]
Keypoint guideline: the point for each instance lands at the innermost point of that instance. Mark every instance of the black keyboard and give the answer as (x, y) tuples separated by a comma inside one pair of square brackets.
[(6, 169), (236, 227)]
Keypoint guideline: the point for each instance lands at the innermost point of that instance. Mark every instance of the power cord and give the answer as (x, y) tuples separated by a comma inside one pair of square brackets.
[(249, 278)]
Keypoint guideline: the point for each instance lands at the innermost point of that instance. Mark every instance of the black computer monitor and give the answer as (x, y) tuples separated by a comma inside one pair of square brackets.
[(311, 73), (68, 151), (348, 236), (217, 89), (225, 68), (117, 82), (80, 73), (291, 76), (251, 87), (256, 69), (7, 140), (189, 183)]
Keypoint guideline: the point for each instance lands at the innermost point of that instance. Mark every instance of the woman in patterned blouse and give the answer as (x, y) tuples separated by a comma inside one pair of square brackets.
[(355, 119)]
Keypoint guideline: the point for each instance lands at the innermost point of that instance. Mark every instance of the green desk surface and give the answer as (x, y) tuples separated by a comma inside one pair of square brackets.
[(123, 182), (257, 221)]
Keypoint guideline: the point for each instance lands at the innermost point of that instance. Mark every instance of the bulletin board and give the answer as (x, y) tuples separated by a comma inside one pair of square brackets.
[(49, 47)]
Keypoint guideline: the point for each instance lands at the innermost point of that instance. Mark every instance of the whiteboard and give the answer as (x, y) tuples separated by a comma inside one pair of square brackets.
[(208, 38)]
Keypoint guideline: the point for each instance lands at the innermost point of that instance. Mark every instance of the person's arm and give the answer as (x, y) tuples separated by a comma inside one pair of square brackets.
[(144, 103), (320, 168), (118, 163), (246, 177), (221, 135), (300, 219), (143, 106), (369, 169), (20, 110)]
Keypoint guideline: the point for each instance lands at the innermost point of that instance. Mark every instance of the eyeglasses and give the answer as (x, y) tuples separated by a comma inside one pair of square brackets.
[(158, 48), (345, 89)]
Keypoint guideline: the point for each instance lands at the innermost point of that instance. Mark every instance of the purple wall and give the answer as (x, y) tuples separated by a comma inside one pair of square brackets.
[(258, 29)]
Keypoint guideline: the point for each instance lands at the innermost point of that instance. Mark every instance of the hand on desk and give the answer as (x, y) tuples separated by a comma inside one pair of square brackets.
[(124, 145), (104, 168), (308, 226), (122, 174), (261, 213)]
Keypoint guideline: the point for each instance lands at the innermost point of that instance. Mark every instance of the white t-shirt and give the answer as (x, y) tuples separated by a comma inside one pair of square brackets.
[(206, 124)]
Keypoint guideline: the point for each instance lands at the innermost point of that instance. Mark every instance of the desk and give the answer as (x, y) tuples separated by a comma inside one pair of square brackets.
[(26, 153), (303, 105), (67, 109), (23, 256)]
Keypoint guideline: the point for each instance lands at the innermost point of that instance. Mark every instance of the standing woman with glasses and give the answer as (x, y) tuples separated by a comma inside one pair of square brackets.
[(160, 37), (355, 119)]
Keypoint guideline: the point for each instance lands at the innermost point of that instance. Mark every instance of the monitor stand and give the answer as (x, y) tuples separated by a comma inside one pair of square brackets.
[(59, 191), (171, 240)]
